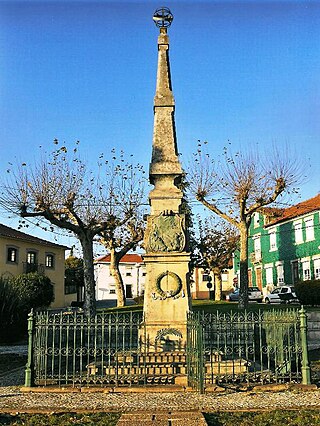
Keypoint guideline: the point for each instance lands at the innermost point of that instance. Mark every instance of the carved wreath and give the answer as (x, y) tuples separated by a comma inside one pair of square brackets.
[(167, 331), (177, 284)]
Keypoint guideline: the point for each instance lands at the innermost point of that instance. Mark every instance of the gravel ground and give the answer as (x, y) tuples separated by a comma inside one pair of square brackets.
[(13, 400)]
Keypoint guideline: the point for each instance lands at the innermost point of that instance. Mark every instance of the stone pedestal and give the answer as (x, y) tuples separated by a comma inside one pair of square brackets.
[(167, 301)]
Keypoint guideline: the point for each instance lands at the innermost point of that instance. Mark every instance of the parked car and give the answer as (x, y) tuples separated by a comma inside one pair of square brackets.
[(254, 295), (283, 294)]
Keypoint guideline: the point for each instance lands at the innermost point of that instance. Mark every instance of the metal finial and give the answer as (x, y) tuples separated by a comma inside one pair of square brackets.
[(163, 17)]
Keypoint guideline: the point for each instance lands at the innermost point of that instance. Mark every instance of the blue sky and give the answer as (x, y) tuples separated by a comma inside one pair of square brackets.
[(248, 72)]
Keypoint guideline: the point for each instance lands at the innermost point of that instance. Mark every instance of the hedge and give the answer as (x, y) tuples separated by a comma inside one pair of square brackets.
[(308, 292)]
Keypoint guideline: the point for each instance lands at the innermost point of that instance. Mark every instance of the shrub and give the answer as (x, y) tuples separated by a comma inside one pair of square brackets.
[(10, 313), (33, 290), (308, 292), (139, 299)]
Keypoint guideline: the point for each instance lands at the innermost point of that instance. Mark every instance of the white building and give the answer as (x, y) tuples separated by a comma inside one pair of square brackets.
[(133, 272)]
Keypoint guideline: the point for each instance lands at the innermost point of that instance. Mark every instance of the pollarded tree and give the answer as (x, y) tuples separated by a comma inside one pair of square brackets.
[(60, 189), (217, 242), (122, 236), (239, 185), (119, 240)]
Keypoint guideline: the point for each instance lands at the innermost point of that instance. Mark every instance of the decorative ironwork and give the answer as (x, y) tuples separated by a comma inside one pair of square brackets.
[(33, 267), (163, 17), (107, 349), (263, 347)]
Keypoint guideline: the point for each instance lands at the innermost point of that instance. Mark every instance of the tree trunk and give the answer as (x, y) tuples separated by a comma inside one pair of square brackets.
[(243, 294), (114, 268), (88, 275), (218, 285)]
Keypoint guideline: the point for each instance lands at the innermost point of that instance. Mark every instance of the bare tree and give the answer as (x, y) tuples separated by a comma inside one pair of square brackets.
[(118, 241), (61, 189), (239, 185), (122, 236), (216, 245)]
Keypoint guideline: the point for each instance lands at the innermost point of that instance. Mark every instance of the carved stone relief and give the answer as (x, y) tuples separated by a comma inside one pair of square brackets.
[(166, 233)]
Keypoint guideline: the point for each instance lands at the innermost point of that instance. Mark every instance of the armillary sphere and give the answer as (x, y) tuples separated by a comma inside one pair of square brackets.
[(163, 17)]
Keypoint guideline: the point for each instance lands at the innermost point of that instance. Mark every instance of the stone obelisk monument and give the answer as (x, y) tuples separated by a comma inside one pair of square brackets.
[(167, 295)]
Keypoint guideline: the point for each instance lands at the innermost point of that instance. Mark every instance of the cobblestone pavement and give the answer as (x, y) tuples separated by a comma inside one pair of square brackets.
[(13, 400)]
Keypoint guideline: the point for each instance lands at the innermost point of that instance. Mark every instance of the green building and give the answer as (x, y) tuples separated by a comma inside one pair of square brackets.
[(284, 245)]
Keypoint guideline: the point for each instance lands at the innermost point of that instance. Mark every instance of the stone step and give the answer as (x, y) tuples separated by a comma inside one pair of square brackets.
[(147, 369), (151, 357)]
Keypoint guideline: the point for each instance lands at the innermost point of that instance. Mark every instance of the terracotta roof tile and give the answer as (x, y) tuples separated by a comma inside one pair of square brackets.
[(6, 231), (292, 212), (127, 258)]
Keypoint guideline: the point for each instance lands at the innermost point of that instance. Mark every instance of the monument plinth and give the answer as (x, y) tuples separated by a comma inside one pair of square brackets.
[(167, 295)]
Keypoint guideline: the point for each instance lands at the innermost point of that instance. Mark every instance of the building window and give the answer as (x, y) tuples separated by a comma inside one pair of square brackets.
[(295, 271), (316, 266), (128, 274), (205, 277), (256, 220), (298, 232), (269, 276), (309, 229), (144, 274), (31, 265), (257, 249), (50, 261), (112, 291), (306, 271), (280, 276), (32, 257), (273, 240), (12, 255)]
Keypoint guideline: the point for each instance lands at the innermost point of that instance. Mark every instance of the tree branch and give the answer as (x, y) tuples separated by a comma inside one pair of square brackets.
[(217, 211)]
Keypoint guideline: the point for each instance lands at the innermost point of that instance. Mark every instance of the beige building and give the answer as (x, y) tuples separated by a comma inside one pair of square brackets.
[(22, 253), (201, 278)]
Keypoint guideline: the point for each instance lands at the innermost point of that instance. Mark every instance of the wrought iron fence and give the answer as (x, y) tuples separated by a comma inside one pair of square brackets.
[(243, 347), (68, 348)]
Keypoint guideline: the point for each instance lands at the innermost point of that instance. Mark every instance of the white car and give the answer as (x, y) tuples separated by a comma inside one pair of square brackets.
[(254, 295), (283, 294)]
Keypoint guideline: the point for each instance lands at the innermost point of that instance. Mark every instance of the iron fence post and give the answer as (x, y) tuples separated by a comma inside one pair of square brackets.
[(305, 368), (29, 374), (200, 356)]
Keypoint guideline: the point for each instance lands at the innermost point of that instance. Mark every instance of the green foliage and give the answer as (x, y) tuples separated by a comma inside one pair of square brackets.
[(33, 290), (97, 419), (308, 292), (17, 296), (74, 274), (10, 314), (274, 418), (139, 299)]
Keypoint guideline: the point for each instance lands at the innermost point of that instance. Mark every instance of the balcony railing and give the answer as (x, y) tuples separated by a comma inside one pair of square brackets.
[(33, 267)]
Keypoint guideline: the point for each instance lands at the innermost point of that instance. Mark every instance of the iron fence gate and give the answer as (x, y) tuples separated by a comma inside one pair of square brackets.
[(110, 349), (244, 347)]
